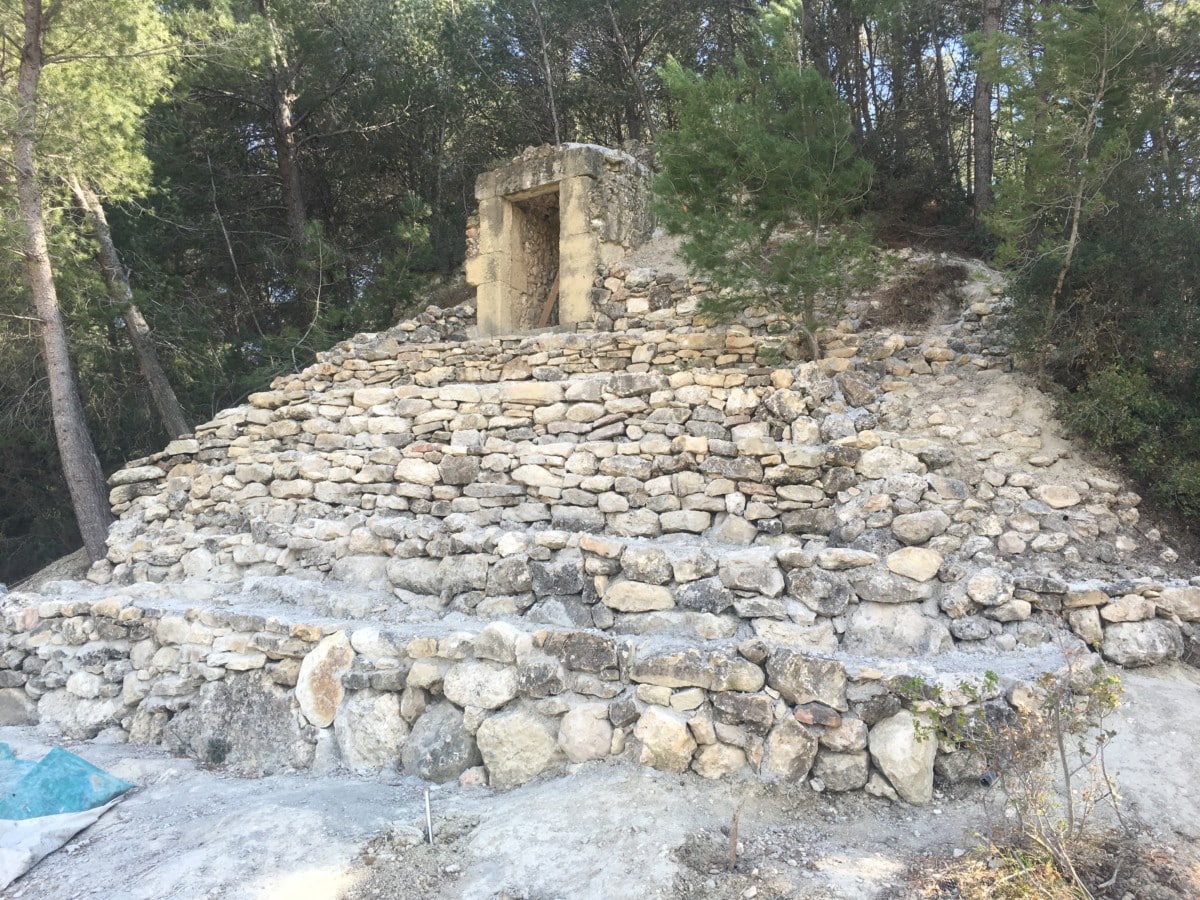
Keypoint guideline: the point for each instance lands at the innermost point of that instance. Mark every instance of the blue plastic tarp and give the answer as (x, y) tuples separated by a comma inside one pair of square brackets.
[(62, 782), (46, 803)]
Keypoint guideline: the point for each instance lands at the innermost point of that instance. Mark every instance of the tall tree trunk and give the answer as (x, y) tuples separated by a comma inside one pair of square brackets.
[(283, 127), (116, 278), (81, 467), (984, 142), (817, 47), (541, 29), (631, 68)]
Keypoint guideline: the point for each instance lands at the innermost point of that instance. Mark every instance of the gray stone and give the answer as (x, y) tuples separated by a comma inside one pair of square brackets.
[(823, 592), (485, 685), (752, 571), (904, 746), (876, 586), (646, 564), (919, 527), (17, 708), (806, 679), (704, 595), (439, 748), (713, 670), (245, 721), (892, 630), (842, 771), (1135, 644), (370, 732), (582, 651), (561, 576)]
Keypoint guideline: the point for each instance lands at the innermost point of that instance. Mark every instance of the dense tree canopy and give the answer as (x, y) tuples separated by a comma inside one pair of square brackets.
[(278, 174)]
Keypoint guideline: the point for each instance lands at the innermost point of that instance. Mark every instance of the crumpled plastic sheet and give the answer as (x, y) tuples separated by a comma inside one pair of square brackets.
[(44, 804)]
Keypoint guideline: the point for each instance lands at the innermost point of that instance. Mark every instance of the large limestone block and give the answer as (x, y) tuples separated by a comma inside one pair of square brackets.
[(440, 748), (800, 678), (904, 746), (790, 751), (1181, 601), (246, 722), (892, 630), (714, 670), (17, 707), (1136, 644), (486, 685), (517, 746), (81, 719), (370, 732), (319, 685), (884, 461), (585, 732), (667, 742)]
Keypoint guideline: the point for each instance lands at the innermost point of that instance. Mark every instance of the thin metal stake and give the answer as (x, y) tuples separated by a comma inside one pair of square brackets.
[(428, 818)]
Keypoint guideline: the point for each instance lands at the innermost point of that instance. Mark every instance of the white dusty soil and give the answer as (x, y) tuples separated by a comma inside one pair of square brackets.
[(604, 831)]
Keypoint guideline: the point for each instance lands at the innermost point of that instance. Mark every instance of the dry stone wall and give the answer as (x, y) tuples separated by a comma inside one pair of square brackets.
[(262, 691), (658, 541)]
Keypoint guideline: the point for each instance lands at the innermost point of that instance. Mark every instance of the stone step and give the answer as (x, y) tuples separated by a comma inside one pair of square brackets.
[(262, 688)]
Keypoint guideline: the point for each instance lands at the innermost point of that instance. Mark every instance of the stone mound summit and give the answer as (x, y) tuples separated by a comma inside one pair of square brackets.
[(651, 538)]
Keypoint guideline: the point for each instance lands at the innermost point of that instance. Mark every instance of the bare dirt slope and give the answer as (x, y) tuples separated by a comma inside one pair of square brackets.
[(601, 832)]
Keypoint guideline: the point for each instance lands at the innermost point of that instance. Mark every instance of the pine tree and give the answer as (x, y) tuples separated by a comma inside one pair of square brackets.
[(761, 176)]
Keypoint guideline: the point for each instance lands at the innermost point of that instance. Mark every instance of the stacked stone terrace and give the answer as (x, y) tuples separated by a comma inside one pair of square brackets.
[(490, 558), (648, 539)]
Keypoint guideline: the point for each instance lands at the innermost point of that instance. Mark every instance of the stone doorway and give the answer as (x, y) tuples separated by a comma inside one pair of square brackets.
[(549, 219), (534, 270)]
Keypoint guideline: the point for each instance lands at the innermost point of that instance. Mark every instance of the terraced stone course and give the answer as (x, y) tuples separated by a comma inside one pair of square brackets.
[(651, 539)]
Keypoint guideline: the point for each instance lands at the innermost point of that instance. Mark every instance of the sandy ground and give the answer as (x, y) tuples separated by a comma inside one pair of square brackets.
[(603, 831)]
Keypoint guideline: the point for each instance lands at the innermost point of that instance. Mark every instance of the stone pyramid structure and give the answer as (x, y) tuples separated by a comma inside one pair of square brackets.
[(642, 537)]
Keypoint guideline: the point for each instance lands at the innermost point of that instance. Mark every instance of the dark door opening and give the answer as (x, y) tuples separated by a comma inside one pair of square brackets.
[(535, 264)]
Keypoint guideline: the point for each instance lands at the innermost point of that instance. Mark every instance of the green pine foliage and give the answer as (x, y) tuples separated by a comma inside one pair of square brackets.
[(761, 178)]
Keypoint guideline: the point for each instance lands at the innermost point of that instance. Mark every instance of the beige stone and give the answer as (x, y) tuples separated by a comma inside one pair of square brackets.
[(1181, 601), (1056, 496), (517, 747), (903, 746), (718, 761), (319, 688), (634, 596), (917, 563), (585, 732), (1129, 608), (790, 751), (667, 743)]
